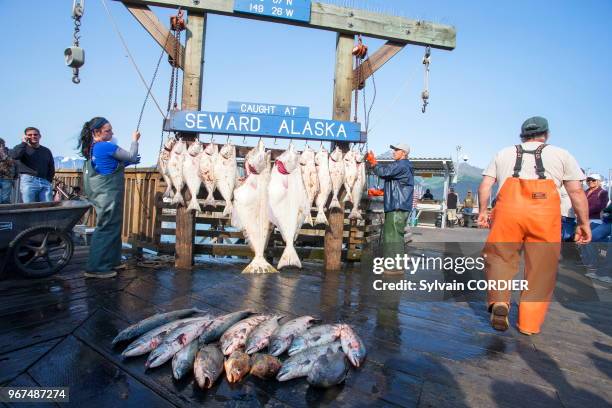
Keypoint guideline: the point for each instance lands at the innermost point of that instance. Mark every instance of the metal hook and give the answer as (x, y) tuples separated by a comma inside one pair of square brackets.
[(75, 76), (228, 139), (275, 140), (244, 139)]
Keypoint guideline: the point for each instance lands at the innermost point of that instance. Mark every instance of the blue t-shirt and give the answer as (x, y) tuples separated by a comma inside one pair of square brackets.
[(102, 157)]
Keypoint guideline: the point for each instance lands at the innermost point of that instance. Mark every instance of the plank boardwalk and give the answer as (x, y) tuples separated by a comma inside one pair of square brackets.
[(58, 331)]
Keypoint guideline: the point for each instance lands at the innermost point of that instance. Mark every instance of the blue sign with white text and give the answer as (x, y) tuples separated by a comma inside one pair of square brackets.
[(268, 109), (282, 127), (298, 10)]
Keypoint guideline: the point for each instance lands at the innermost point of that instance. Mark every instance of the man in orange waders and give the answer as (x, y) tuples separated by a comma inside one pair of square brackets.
[(527, 217)]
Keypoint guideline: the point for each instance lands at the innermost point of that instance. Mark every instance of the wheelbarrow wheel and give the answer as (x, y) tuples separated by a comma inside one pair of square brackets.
[(41, 251)]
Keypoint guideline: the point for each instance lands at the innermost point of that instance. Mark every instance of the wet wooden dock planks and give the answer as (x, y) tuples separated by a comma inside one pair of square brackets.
[(57, 331)]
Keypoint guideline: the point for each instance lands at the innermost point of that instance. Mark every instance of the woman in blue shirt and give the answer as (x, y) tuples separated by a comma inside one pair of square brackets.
[(103, 183)]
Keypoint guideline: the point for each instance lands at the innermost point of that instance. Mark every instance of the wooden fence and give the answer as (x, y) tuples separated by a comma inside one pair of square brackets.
[(149, 222)]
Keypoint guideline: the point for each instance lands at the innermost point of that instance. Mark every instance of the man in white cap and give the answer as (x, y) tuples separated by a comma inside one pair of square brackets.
[(398, 192), (597, 198)]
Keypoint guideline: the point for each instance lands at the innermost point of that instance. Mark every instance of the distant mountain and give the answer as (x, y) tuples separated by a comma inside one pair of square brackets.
[(62, 162)]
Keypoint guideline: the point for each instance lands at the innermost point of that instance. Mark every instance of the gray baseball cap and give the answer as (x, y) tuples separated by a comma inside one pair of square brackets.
[(534, 126), (401, 146)]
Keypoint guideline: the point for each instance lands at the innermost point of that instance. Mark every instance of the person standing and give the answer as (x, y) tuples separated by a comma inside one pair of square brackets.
[(8, 172), (451, 207), (427, 195), (36, 167), (468, 209), (103, 183), (527, 217), (398, 192)]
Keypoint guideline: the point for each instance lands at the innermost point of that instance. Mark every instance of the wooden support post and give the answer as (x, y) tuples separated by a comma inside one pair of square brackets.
[(375, 62), (343, 81), (158, 31), (191, 100)]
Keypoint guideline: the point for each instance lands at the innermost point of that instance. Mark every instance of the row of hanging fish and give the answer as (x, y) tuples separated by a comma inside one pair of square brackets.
[(235, 343), (281, 193), (192, 166)]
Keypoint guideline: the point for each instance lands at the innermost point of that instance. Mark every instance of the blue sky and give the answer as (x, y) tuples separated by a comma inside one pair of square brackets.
[(513, 60)]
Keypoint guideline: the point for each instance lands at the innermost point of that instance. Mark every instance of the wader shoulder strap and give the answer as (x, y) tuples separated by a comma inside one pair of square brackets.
[(519, 161), (538, 160)]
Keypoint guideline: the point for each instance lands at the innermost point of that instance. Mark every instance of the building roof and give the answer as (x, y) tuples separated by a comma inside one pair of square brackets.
[(439, 165)]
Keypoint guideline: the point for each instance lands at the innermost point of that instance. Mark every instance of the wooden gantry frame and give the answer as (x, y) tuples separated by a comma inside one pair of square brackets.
[(346, 22)]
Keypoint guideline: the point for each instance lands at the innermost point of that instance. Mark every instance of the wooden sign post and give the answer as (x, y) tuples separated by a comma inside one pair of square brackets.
[(191, 99), (346, 22), (343, 89)]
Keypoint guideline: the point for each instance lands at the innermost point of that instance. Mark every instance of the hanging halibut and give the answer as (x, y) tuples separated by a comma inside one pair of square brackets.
[(162, 163), (191, 168), (325, 187), (358, 188), (350, 174), (288, 203), (309, 175), (250, 209), (207, 169), (175, 171), (336, 172), (225, 171)]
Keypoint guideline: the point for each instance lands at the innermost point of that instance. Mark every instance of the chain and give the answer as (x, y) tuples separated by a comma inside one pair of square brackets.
[(425, 93), (77, 13), (176, 26), (359, 51)]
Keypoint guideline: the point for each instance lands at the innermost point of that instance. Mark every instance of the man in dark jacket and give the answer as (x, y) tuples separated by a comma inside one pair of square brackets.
[(399, 189), (36, 167)]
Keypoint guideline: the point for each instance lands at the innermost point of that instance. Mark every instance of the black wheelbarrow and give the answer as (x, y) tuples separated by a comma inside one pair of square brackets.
[(37, 238)]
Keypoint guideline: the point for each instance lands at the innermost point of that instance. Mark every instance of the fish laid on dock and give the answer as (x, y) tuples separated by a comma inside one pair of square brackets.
[(237, 366), (328, 370), (208, 366), (220, 325), (175, 341), (264, 366), (235, 337), (336, 173), (260, 337), (315, 336), (225, 171), (283, 336), (162, 163), (182, 362), (325, 186), (150, 323), (191, 167), (153, 338), (250, 209), (310, 178), (352, 345), (288, 203), (300, 364)]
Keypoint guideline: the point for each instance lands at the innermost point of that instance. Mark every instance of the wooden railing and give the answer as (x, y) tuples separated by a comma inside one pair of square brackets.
[(146, 217)]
